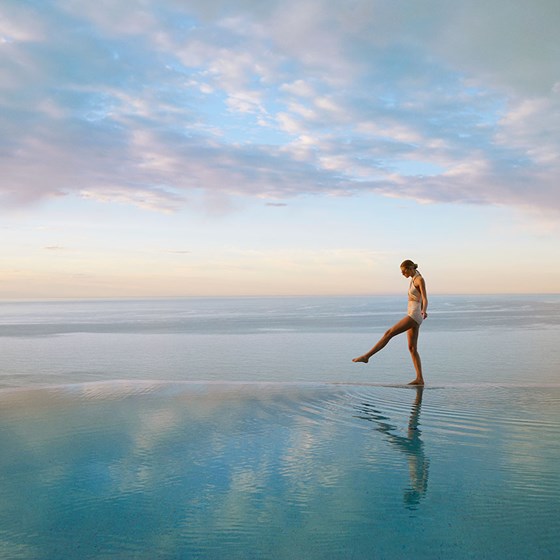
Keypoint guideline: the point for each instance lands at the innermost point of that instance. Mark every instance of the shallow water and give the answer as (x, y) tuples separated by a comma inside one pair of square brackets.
[(240, 428), (214, 470)]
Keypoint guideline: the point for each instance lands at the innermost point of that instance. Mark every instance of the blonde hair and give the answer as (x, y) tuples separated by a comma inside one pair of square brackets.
[(409, 264)]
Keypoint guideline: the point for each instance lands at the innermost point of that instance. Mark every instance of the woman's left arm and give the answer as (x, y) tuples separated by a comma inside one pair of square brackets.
[(424, 294)]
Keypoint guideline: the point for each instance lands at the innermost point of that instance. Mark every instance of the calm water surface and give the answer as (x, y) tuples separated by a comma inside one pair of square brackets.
[(141, 470), (507, 339), (240, 429)]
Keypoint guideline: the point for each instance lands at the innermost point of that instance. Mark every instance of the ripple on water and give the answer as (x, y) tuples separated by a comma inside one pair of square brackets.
[(280, 470)]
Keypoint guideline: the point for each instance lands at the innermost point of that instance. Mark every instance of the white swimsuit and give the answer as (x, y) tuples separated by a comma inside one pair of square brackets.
[(414, 301)]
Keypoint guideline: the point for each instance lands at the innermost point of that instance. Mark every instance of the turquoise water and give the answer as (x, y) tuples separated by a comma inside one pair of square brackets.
[(127, 431)]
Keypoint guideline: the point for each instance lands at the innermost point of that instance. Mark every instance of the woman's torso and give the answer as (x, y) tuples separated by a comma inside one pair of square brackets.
[(413, 291)]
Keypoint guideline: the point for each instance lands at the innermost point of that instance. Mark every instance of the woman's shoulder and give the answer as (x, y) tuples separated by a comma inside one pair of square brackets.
[(418, 279)]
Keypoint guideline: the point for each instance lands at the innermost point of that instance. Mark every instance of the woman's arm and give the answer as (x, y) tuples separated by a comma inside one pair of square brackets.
[(424, 294)]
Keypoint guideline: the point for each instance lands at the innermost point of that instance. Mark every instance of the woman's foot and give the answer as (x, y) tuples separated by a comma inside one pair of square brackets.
[(417, 382), (363, 359)]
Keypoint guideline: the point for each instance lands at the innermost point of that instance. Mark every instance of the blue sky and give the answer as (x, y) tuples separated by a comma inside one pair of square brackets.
[(167, 148)]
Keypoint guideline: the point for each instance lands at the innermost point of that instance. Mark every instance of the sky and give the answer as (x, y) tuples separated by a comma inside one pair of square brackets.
[(163, 148)]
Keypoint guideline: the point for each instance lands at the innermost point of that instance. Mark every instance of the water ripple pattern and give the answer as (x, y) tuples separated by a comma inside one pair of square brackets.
[(279, 470)]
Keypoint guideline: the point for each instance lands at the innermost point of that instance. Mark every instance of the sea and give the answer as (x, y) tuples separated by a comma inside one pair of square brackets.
[(240, 428)]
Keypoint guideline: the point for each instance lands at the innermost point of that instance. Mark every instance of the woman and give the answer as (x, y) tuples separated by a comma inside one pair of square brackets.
[(417, 312)]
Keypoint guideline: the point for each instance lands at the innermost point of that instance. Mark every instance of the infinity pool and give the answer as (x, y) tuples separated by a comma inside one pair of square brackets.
[(150, 470)]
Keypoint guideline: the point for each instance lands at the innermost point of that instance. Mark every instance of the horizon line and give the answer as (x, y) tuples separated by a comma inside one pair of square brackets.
[(255, 296)]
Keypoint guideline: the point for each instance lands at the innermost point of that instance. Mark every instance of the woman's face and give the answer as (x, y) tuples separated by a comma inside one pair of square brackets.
[(406, 272)]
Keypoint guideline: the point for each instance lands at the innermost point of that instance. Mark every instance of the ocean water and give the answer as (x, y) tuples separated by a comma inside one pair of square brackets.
[(506, 339), (240, 428)]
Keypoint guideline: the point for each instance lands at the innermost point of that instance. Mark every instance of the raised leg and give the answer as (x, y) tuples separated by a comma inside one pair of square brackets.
[(402, 326)]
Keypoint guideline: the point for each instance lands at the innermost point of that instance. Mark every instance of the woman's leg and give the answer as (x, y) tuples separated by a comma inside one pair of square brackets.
[(413, 349), (402, 326)]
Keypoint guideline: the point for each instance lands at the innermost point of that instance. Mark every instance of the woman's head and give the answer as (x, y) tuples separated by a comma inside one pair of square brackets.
[(409, 264), (408, 268)]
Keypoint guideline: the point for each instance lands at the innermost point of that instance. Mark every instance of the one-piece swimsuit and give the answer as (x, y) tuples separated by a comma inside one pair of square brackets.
[(414, 301)]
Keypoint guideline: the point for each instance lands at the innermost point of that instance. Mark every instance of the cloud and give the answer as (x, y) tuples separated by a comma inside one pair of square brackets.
[(272, 100), (510, 44)]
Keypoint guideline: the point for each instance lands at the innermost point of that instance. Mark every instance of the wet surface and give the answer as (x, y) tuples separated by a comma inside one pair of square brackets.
[(279, 470)]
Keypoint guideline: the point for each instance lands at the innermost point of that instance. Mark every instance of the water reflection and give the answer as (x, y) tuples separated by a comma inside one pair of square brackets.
[(410, 445), (198, 470)]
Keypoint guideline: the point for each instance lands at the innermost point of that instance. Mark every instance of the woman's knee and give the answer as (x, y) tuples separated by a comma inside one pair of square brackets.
[(413, 349), (389, 334)]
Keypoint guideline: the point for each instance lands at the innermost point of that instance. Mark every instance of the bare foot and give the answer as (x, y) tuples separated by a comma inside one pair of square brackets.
[(363, 359), (417, 382)]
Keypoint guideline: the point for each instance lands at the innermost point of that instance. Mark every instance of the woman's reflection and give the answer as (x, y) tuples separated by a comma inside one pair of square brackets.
[(411, 445)]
